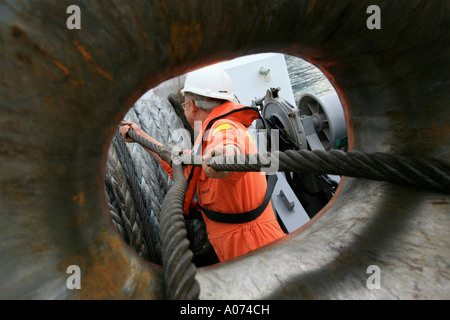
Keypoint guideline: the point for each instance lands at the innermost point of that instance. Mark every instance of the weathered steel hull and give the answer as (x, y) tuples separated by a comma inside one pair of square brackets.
[(63, 92)]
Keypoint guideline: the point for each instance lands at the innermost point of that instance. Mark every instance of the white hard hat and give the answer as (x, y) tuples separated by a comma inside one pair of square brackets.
[(210, 82)]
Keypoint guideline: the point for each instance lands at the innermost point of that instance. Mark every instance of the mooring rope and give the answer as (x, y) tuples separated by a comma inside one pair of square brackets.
[(121, 203), (127, 213), (425, 173), (179, 271), (155, 185), (422, 173), (140, 211), (113, 208)]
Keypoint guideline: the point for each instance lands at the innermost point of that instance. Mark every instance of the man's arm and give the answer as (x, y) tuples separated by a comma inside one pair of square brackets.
[(126, 127)]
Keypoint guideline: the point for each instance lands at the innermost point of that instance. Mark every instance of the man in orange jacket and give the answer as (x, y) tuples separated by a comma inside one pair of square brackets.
[(235, 206)]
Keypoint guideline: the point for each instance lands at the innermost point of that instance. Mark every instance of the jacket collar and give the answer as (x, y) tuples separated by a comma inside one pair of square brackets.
[(229, 110), (232, 111)]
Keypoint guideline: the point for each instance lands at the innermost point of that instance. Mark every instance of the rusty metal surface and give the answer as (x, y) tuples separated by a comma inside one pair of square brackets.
[(62, 93)]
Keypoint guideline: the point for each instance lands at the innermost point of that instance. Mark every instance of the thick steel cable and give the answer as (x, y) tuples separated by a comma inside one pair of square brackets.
[(421, 173), (425, 173), (143, 142), (115, 215), (122, 200), (179, 271), (141, 217)]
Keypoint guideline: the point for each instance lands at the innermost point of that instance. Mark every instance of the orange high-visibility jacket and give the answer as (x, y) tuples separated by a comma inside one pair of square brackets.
[(239, 192)]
